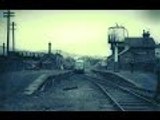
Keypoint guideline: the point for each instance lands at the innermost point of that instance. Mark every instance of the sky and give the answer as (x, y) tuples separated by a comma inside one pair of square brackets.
[(82, 32)]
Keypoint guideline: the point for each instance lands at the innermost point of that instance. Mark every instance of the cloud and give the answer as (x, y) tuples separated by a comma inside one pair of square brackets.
[(152, 15)]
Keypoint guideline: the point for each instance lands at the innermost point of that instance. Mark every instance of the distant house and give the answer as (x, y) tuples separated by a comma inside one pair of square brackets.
[(138, 51), (51, 61)]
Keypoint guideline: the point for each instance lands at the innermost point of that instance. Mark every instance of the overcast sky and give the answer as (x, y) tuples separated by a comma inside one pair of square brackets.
[(81, 32)]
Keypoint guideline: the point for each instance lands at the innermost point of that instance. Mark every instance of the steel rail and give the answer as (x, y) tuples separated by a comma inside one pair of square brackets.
[(107, 94), (126, 90)]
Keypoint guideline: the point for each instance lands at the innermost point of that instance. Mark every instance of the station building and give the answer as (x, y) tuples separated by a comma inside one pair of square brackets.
[(136, 51)]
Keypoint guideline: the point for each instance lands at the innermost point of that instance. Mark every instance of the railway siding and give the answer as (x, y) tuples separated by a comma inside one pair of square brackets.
[(117, 77), (113, 78), (36, 84), (127, 96)]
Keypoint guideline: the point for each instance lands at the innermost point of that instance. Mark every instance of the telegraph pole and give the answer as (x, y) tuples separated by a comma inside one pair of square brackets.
[(13, 36), (8, 15)]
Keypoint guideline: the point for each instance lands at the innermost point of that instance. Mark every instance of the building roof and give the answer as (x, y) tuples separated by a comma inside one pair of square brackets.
[(140, 42), (51, 57)]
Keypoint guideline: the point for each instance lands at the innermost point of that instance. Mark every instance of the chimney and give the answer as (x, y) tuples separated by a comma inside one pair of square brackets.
[(146, 34), (49, 48)]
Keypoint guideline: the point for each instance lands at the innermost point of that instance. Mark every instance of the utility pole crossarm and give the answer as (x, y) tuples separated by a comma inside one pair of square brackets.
[(8, 14)]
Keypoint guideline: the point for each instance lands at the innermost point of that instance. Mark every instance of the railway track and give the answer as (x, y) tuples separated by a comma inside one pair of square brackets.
[(146, 93), (123, 98), (82, 85), (118, 98)]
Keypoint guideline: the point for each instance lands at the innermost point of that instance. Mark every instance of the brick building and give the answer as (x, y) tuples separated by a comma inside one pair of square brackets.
[(136, 51)]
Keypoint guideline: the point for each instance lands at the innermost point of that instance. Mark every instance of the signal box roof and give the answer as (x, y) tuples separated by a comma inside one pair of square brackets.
[(140, 42)]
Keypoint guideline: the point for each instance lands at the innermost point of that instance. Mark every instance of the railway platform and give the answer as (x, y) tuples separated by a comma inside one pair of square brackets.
[(73, 92), (144, 80), (140, 79), (13, 83)]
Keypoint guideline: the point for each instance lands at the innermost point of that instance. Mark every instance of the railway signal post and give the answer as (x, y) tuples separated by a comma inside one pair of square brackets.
[(8, 15)]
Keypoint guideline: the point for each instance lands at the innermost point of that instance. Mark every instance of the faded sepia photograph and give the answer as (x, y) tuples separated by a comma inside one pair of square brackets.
[(79, 60)]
